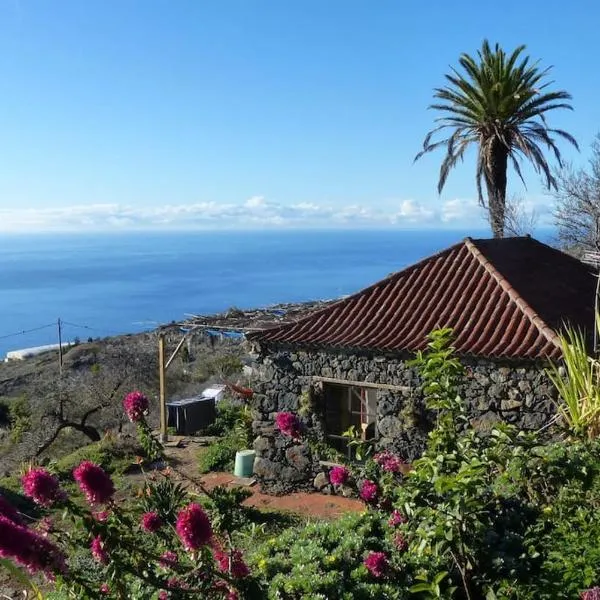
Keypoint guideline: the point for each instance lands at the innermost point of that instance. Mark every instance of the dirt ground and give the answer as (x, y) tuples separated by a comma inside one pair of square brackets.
[(183, 459)]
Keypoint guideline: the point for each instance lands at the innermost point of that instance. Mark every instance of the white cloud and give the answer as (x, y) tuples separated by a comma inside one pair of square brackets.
[(256, 212), (461, 210)]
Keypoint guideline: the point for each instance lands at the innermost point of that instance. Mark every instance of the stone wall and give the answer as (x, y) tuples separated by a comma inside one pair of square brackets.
[(517, 393)]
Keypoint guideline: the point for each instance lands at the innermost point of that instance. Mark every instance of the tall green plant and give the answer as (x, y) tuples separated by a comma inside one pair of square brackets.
[(578, 385)]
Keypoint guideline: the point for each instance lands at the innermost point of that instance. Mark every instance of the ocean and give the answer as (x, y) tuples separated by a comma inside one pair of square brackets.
[(109, 284)]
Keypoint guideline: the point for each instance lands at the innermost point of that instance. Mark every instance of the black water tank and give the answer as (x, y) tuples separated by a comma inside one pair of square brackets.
[(191, 414)]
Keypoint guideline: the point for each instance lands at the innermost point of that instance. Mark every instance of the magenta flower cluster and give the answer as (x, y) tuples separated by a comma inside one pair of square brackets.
[(135, 405), (98, 550), (42, 487), (94, 482), (289, 424), (591, 594), (369, 491), (232, 563), (397, 518), (29, 549), (151, 522), (377, 564), (389, 462), (339, 475), (193, 527), (168, 559)]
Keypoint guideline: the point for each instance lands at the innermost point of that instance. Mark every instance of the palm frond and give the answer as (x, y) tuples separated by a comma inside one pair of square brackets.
[(499, 101)]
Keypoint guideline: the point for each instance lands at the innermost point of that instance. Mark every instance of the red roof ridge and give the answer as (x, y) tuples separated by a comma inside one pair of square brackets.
[(522, 305)]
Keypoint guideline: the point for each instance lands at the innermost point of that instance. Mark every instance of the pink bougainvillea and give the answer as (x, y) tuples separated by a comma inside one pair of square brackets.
[(289, 424), (232, 562), (105, 589), (98, 551), (377, 563), (28, 548), (193, 527), (339, 475), (136, 406), (42, 487), (94, 482), (369, 491), (591, 594), (151, 522), (389, 462)]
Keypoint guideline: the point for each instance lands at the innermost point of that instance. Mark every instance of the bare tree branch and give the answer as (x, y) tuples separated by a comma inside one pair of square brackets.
[(577, 205)]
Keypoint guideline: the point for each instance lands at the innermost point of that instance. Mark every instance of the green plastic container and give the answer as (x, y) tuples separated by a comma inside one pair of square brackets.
[(244, 463)]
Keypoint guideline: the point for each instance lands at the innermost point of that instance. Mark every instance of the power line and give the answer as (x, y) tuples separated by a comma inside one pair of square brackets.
[(27, 331), (90, 328)]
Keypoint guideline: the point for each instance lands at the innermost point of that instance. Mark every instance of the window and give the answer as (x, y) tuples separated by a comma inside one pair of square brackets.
[(349, 406)]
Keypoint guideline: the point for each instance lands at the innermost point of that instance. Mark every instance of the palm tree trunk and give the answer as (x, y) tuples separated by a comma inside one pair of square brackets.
[(495, 179)]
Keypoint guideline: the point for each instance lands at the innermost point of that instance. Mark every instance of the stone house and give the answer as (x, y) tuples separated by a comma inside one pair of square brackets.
[(345, 365)]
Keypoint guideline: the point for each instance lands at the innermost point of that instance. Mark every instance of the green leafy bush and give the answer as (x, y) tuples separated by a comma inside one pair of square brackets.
[(325, 560), (234, 423)]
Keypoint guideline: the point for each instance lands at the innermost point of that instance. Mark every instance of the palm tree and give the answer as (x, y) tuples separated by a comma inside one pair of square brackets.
[(499, 103)]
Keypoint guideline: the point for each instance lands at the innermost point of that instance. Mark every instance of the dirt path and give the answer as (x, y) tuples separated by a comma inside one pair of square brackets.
[(183, 459)]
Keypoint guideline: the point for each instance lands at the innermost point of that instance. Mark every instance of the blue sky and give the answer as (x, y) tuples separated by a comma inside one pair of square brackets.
[(257, 113)]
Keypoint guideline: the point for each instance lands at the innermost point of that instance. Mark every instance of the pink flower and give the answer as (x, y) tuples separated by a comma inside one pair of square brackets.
[(94, 482), (168, 559), (104, 588), (233, 563), (8, 511), (193, 527), (339, 475), (591, 594), (377, 563), (400, 542), (101, 516), (41, 486), (98, 551), (135, 405), (389, 462), (162, 595), (369, 491), (29, 549), (289, 424), (151, 522), (396, 518)]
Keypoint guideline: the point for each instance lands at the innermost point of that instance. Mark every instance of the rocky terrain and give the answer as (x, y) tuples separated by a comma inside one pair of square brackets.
[(44, 413)]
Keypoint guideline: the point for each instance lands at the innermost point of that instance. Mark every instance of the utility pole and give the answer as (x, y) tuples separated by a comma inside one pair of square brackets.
[(164, 437), (60, 350)]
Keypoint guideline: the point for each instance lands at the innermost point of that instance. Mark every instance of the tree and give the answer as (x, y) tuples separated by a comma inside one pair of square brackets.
[(577, 209), (499, 104)]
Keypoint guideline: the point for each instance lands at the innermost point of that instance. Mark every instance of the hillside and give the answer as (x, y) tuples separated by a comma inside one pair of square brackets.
[(44, 413)]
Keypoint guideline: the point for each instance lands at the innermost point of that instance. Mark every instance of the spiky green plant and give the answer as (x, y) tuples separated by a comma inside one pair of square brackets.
[(578, 385), (499, 104)]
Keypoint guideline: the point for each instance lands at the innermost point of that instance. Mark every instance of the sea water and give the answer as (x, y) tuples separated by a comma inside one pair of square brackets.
[(107, 284)]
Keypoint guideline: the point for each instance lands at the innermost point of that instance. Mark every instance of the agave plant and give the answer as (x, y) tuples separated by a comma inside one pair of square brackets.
[(500, 105)]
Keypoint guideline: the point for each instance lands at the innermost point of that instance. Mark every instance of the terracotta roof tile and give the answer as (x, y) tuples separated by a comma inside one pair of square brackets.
[(503, 298)]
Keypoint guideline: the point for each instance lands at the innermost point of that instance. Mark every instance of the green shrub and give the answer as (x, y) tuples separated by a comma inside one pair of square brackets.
[(325, 560), (111, 454), (220, 456), (20, 418)]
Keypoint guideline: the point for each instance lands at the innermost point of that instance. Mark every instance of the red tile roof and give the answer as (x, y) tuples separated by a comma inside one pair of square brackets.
[(503, 298)]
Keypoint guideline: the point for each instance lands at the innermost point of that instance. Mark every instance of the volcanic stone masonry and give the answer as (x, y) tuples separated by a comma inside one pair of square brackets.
[(515, 392)]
